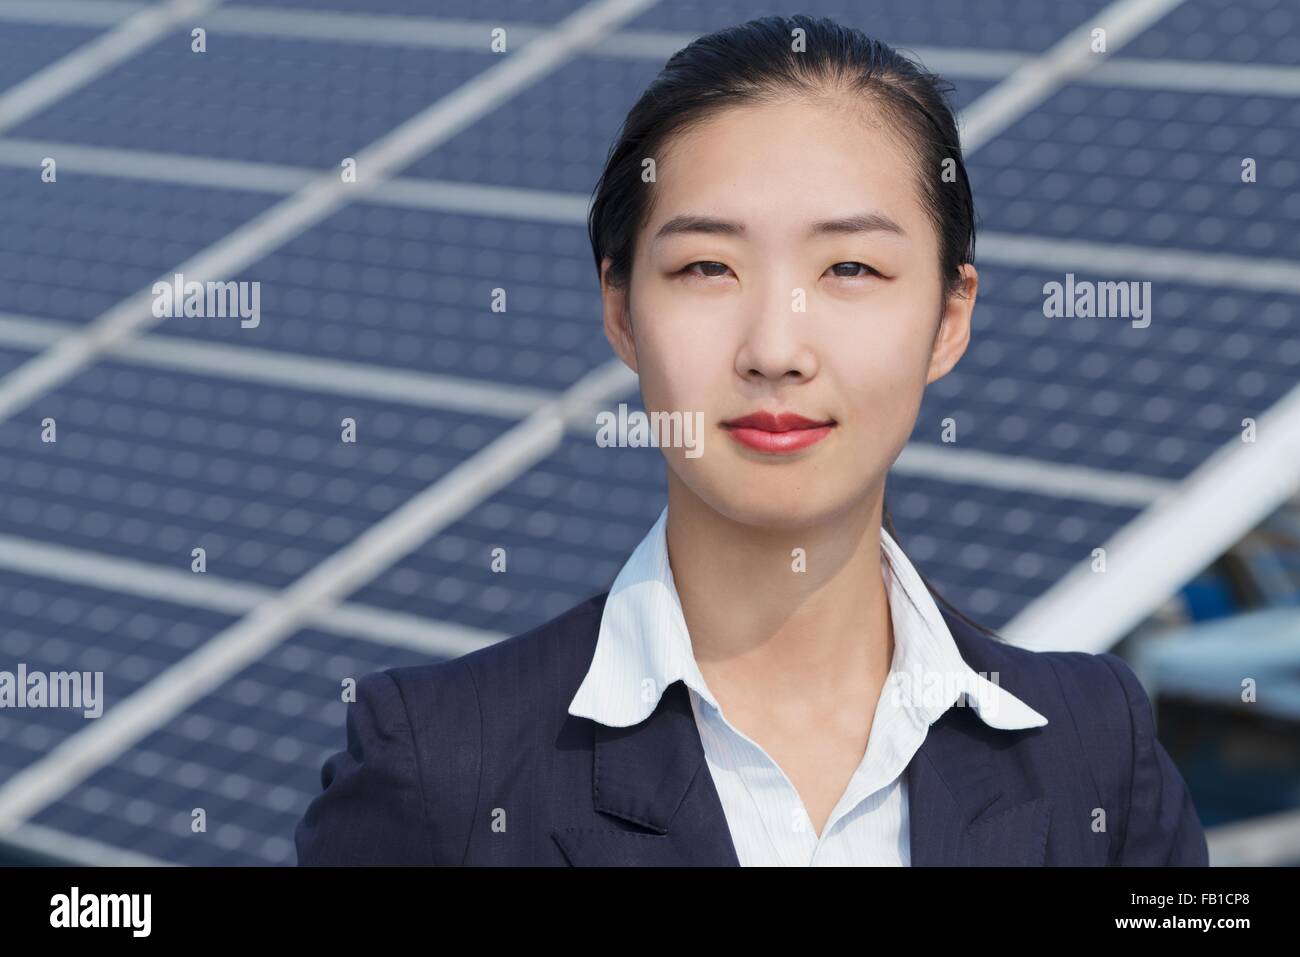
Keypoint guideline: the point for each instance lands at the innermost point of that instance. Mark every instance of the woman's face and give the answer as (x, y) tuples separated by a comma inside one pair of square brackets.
[(780, 286)]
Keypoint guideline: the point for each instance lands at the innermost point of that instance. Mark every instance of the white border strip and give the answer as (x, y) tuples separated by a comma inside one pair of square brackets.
[(1165, 547), (118, 574), (406, 192), (477, 199), (1190, 76), (292, 370), (1029, 475), (95, 58), (333, 376), (445, 639), (72, 13), (26, 332), (154, 167), (1218, 270)]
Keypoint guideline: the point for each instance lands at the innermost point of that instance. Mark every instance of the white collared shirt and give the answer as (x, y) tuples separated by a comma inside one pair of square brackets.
[(643, 647)]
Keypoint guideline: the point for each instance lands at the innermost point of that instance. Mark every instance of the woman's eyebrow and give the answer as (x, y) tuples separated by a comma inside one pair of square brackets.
[(860, 223)]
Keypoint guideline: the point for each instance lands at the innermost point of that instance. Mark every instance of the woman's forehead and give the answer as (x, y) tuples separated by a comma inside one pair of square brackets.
[(785, 165), (781, 142)]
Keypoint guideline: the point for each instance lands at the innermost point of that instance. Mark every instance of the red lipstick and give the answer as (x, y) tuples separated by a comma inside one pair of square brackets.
[(777, 434)]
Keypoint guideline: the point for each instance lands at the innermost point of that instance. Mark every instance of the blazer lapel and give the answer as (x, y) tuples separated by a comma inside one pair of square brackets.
[(959, 814), (653, 775)]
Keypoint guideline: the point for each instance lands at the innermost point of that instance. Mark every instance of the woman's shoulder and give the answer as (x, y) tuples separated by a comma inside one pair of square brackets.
[(1099, 712), (491, 696), (404, 788), (1096, 694), (536, 660), (1158, 821)]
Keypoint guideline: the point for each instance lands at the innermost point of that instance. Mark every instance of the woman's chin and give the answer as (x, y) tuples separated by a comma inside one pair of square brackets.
[(780, 509)]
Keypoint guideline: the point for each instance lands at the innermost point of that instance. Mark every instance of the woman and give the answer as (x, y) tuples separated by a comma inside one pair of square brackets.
[(784, 235)]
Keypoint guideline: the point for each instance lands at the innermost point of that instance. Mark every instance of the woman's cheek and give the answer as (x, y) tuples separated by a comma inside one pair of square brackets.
[(681, 370), (878, 401)]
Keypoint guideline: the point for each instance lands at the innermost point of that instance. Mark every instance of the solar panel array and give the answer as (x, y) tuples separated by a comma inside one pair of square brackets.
[(202, 433)]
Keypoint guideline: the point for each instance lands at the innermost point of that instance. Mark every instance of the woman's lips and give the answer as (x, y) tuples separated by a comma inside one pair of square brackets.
[(777, 434)]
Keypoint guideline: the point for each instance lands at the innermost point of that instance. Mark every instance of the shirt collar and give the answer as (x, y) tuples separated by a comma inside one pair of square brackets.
[(643, 647)]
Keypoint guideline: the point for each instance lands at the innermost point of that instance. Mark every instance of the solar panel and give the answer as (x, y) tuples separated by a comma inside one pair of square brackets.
[(1253, 31), (72, 249), (260, 478), (203, 432), (261, 99), (1023, 25), (247, 757), (1149, 168), (414, 289)]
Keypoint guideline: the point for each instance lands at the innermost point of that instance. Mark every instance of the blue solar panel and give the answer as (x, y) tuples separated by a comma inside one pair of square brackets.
[(552, 135), (1234, 31), (11, 358), (413, 289), (493, 12), (555, 134), (1105, 393), (566, 526), (74, 248), (57, 626), (1028, 25), (28, 47), (161, 463), (1148, 167), (152, 462), (298, 102), (991, 551), (249, 755)]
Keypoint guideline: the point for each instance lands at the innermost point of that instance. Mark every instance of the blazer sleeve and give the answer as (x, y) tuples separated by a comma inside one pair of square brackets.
[(1161, 827), (372, 808)]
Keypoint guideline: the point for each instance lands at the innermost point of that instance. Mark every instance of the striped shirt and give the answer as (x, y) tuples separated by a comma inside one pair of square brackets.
[(643, 647)]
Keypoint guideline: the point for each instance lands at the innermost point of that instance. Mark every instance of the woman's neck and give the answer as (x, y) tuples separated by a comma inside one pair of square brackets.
[(766, 632)]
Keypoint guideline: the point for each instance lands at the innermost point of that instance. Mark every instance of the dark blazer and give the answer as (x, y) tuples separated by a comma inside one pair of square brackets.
[(477, 761)]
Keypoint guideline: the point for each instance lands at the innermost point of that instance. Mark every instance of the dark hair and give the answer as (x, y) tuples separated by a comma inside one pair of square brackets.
[(757, 62)]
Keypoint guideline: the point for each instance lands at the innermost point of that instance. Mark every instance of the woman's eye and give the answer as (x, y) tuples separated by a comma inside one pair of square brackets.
[(706, 263), (867, 270), (722, 268)]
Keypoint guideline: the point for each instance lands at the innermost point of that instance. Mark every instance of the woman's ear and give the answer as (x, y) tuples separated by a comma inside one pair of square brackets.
[(618, 318), (953, 335)]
